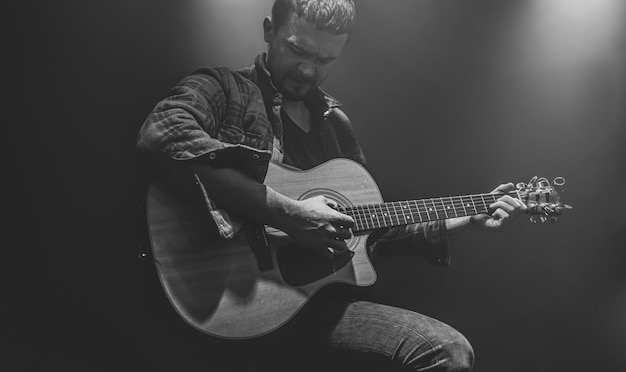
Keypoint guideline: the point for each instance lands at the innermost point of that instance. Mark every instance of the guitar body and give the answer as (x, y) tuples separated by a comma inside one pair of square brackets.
[(219, 286)]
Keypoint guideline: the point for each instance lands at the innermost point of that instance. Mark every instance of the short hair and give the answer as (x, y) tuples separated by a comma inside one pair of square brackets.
[(337, 16)]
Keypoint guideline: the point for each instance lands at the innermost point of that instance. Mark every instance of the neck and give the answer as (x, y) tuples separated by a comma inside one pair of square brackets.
[(374, 216)]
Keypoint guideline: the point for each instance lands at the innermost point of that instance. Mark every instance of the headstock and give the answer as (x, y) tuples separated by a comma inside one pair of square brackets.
[(542, 198)]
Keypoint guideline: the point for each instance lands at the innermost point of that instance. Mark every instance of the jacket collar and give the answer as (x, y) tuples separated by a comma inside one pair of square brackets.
[(260, 74)]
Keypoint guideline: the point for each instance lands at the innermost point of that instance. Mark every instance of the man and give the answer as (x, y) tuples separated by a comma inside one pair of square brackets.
[(224, 127)]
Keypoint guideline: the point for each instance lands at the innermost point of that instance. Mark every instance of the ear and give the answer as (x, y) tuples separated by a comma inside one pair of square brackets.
[(268, 29)]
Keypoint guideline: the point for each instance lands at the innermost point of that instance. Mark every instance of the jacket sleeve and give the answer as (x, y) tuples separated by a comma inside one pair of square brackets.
[(427, 239), (182, 130)]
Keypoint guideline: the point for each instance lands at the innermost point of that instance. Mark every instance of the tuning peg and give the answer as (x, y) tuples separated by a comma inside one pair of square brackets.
[(536, 219), (547, 210), (558, 181), (553, 219)]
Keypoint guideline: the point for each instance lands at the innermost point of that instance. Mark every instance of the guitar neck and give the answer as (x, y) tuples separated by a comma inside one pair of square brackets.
[(374, 216)]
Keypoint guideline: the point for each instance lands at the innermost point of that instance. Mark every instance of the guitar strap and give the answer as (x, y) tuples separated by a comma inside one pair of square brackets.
[(257, 240)]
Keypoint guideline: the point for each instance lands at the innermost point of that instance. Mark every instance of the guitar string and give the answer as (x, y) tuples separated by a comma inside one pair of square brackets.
[(439, 203), (378, 217), (445, 199)]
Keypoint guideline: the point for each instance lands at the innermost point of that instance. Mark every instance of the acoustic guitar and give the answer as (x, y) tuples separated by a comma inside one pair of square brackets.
[(255, 282)]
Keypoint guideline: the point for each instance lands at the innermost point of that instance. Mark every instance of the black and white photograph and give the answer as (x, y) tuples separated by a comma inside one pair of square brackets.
[(315, 185)]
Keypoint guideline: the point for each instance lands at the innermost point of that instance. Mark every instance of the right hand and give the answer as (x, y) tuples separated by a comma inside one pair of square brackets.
[(316, 224)]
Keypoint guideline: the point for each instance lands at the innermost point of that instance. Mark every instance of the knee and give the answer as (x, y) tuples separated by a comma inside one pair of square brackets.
[(455, 355)]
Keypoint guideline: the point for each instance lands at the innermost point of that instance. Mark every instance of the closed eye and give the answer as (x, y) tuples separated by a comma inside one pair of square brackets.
[(299, 51)]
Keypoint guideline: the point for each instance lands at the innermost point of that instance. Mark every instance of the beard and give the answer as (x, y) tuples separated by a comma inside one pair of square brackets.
[(296, 89)]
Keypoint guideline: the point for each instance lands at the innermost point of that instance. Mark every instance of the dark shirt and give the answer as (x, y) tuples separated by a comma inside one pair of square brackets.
[(303, 150)]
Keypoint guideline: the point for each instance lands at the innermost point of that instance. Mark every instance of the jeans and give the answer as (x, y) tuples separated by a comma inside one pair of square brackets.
[(340, 335), (330, 333)]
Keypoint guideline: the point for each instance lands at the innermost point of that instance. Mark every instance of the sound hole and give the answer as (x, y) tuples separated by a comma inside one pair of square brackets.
[(338, 198), (299, 267)]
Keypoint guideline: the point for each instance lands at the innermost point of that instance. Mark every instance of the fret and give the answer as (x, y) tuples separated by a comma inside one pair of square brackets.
[(495, 197), (402, 208), (358, 219), (444, 207), (427, 215), (380, 215), (482, 196), (426, 209), (351, 214), (453, 206), (371, 216), (365, 217), (432, 201), (359, 210), (473, 204), (368, 217), (376, 215), (384, 214), (417, 209), (401, 214), (390, 213), (463, 205), (393, 213)]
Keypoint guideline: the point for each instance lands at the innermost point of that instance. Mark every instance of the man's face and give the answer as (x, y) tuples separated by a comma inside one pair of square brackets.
[(300, 56)]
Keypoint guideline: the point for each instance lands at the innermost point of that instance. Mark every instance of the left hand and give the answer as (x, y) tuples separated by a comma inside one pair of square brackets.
[(505, 210)]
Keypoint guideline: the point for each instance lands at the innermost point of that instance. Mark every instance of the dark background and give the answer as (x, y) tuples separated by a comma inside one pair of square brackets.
[(447, 97)]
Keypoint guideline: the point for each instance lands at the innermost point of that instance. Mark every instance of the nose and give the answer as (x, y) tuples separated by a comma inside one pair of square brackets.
[(307, 69)]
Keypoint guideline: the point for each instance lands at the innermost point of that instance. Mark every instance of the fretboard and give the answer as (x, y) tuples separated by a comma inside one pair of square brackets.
[(390, 214)]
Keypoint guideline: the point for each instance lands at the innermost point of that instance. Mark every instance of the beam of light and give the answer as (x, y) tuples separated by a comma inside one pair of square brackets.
[(576, 30), (572, 47), (227, 32)]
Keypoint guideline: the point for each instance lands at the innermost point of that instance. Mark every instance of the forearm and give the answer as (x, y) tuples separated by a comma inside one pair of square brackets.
[(458, 224), (310, 223), (235, 191)]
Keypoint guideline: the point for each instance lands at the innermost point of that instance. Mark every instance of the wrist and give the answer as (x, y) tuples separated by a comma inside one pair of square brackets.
[(281, 209), (455, 225)]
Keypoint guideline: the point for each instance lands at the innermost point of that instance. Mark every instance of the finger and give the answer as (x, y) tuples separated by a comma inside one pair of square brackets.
[(511, 201), (502, 205), (330, 202), (338, 245), (337, 233), (518, 204), (340, 219), (500, 219), (344, 234), (522, 205), (505, 187), (341, 232)]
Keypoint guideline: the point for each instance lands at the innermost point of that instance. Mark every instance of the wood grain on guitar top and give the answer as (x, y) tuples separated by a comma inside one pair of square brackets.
[(217, 286)]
